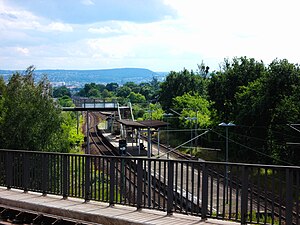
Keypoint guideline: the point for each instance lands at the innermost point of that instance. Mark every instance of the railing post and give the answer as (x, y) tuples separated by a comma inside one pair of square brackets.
[(9, 170), (26, 170), (112, 182), (170, 187), (204, 202), (65, 177), (139, 183), (87, 190), (289, 196), (45, 173), (244, 197)]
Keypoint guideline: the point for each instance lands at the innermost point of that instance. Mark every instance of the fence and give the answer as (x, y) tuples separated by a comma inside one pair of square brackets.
[(248, 193)]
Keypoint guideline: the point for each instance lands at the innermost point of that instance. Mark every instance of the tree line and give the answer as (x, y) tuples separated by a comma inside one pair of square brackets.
[(261, 100)]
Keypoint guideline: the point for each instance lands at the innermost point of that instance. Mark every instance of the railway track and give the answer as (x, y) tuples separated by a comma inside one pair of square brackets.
[(128, 174), (99, 147), (262, 201)]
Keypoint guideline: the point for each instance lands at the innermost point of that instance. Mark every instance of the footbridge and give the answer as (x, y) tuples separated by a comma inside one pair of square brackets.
[(93, 104)]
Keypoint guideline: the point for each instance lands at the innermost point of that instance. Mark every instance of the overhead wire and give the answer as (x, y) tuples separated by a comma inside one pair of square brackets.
[(252, 149)]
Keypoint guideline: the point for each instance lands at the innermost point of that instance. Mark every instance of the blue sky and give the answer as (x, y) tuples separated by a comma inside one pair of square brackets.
[(161, 35)]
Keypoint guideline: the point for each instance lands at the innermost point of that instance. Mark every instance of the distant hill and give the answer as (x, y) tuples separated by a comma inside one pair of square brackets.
[(81, 77)]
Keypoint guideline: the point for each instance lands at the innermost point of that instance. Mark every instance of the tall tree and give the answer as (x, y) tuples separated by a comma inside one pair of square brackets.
[(31, 120), (269, 103), (193, 106), (226, 83), (178, 84)]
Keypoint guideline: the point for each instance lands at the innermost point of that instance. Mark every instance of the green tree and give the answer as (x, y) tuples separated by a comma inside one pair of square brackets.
[(270, 103), (112, 87), (123, 91), (133, 86), (93, 92), (225, 84), (136, 98), (106, 94), (31, 120), (66, 101), (154, 112), (178, 84), (193, 106), (61, 91), (147, 90)]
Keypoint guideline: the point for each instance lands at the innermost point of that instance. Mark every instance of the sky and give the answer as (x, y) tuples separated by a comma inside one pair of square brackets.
[(160, 35)]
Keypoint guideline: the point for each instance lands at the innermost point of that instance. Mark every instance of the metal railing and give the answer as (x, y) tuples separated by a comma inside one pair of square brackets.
[(258, 194)]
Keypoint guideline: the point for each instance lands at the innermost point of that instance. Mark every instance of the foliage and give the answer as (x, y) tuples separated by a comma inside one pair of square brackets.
[(65, 101), (123, 91), (154, 112), (30, 118), (136, 97), (61, 91), (91, 90), (138, 111), (69, 126), (178, 84), (261, 100), (225, 84), (112, 87), (195, 107)]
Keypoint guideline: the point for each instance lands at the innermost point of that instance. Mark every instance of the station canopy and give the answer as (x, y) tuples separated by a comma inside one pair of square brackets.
[(143, 124)]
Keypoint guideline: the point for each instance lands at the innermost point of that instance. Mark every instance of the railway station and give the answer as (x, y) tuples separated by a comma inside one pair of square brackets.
[(127, 178)]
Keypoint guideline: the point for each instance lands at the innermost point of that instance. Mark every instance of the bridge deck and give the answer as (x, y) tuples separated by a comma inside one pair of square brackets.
[(95, 212)]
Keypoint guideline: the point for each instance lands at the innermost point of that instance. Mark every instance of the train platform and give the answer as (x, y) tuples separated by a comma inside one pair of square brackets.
[(95, 212), (133, 148)]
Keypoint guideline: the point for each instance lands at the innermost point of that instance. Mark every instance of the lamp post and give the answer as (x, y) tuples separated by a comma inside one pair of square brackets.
[(226, 125)]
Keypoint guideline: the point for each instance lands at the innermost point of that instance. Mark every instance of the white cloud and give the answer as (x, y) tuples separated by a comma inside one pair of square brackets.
[(87, 2), (204, 30), (23, 51), (56, 26), (17, 19), (103, 30)]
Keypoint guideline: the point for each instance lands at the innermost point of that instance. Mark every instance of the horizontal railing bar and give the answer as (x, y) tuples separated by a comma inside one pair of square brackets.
[(160, 159)]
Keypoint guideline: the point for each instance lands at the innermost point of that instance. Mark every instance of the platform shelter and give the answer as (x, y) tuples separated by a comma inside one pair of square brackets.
[(134, 129)]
